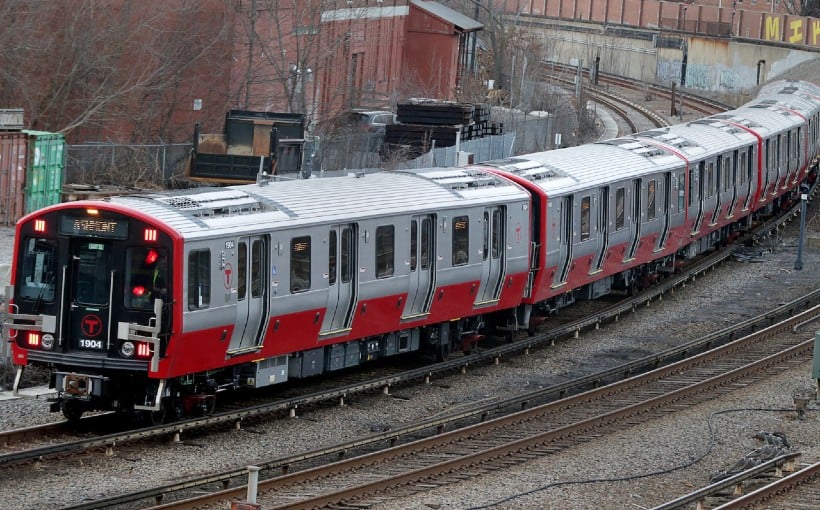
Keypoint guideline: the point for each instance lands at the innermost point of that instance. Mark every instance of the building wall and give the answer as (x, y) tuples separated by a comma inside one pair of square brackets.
[(733, 67), (753, 20), (431, 55)]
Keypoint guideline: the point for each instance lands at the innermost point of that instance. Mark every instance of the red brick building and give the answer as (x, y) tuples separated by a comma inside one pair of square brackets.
[(322, 58)]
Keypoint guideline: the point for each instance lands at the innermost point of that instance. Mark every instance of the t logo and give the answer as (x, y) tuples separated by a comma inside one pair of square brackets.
[(91, 325)]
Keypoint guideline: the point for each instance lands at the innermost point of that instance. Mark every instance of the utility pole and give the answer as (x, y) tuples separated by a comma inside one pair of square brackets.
[(804, 197)]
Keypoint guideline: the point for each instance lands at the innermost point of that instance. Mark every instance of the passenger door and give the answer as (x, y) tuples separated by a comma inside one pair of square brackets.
[(341, 278), (89, 294), (494, 256), (252, 292), (422, 266)]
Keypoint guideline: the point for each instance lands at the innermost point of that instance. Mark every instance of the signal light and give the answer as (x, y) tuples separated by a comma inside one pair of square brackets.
[(138, 290), (151, 256), (33, 339), (143, 350), (39, 225), (149, 234)]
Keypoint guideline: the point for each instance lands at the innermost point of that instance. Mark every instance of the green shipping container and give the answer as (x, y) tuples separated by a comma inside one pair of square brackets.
[(44, 172)]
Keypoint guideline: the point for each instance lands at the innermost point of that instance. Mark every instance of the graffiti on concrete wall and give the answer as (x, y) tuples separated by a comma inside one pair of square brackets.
[(668, 71), (699, 76), (729, 80)]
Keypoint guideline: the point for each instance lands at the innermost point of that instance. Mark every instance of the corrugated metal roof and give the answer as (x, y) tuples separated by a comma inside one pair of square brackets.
[(460, 21)]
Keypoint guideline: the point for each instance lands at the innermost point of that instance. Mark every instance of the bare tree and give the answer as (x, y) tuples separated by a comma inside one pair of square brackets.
[(803, 7), (88, 69)]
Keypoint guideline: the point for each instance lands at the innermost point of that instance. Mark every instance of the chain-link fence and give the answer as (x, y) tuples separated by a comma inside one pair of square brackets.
[(138, 166)]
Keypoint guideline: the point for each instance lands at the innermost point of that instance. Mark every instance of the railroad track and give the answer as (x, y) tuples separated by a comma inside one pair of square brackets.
[(698, 103), (448, 457), (622, 107), (602, 94), (763, 485), (488, 356), (360, 382)]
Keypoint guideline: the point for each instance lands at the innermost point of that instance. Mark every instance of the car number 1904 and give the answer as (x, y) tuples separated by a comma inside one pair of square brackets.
[(87, 343)]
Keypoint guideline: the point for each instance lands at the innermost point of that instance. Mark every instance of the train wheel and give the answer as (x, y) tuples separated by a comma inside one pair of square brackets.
[(443, 350), (169, 411), (158, 417), (72, 410)]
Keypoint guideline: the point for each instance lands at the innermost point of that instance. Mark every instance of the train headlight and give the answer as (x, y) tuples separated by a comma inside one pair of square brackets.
[(47, 342), (127, 349)]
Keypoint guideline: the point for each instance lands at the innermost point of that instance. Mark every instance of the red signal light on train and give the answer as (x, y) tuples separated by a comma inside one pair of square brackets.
[(138, 290), (39, 225), (149, 234), (33, 339), (151, 257), (143, 350)]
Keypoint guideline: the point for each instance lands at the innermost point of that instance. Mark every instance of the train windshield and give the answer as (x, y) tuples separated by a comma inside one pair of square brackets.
[(146, 277), (93, 269), (38, 270)]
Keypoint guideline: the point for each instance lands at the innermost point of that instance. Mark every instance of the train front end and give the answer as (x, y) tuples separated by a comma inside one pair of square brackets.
[(89, 302)]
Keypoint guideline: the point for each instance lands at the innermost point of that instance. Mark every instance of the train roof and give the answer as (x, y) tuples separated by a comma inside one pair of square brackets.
[(564, 171), (200, 211)]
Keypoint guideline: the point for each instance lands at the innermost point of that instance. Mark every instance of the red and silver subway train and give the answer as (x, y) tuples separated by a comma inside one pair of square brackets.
[(155, 302)]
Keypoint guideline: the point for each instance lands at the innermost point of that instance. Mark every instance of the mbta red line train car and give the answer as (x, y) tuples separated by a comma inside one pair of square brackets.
[(153, 303)]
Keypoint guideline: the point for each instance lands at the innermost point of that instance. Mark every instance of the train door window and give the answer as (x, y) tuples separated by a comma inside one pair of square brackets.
[(485, 251), (586, 203), (257, 256), (496, 233), (145, 277), (426, 242), (385, 248), (242, 271), (299, 264), (727, 173), (461, 240), (680, 190), (620, 211), (347, 254), (199, 279), (650, 200), (38, 270), (413, 231), (331, 259), (92, 260), (710, 179), (741, 176)]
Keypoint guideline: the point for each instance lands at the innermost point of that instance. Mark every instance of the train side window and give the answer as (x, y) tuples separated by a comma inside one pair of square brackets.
[(620, 211), (461, 240), (650, 200), (586, 202), (199, 279), (299, 264), (38, 270), (385, 251)]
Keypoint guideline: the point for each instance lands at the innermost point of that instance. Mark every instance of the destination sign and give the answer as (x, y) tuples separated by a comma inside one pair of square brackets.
[(93, 227)]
